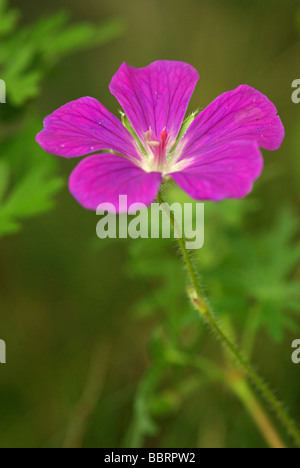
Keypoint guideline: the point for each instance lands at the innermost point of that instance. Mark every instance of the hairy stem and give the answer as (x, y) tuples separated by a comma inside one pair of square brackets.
[(242, 390), (201, 304)]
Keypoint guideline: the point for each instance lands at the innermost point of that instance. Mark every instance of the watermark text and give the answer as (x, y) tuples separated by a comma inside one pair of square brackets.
[(2, 92), (296, 353), (160, 221), (2, 352), (296, 93)]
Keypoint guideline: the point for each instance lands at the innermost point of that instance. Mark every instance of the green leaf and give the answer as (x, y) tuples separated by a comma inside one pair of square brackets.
[(4, 178), (39, 46), (8, 18), (28, 180), (266, 263)]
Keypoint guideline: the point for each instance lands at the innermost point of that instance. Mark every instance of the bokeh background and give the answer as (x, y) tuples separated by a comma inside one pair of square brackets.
[(103, 349)]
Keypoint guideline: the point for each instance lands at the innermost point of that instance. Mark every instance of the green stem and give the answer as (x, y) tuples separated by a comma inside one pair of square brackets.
[(242, 390), (202, 306)]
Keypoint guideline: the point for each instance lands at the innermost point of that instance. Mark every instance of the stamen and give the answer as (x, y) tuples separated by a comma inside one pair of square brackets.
[(157, 150)]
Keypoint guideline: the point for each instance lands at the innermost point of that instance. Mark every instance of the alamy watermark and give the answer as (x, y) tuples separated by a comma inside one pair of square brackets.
[(296, 93), (2, 92), (2, 342), (2, 352), (296, 353), (154, 223)]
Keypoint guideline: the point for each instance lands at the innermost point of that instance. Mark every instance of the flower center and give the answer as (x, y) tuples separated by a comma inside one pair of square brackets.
[(161, 155), (156, 151)]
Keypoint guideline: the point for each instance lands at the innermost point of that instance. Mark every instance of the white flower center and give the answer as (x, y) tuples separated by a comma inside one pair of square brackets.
[(159, 156)]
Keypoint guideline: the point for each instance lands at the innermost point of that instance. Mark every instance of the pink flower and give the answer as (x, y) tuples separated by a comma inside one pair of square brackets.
[(217, 156)]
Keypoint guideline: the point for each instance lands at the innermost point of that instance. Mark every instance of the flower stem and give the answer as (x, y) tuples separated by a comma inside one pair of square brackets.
[(204, 309), (242, 390)]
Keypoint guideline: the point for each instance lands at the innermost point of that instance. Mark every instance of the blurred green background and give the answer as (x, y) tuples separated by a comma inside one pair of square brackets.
[(102, 344)]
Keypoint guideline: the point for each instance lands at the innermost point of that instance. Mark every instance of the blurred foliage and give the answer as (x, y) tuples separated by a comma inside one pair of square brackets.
[(28, 180), (263, 267), (28, 177), (27, 53), (251, 283)]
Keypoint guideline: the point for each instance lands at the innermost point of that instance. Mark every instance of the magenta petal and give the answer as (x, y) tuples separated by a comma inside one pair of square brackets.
[(156, 96), (242, 114), (103, 178), (82, 127), (225, 171)]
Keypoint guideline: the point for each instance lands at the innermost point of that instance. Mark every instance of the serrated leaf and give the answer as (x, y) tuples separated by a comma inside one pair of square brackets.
[(37, 47), (32, 180)]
